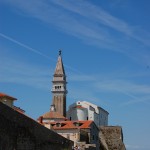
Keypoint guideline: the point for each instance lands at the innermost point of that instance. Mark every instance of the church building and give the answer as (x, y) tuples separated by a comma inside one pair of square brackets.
[(82, 124), (83, 110)]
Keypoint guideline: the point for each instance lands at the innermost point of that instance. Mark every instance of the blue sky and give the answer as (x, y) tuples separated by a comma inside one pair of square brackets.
[(106, 52)]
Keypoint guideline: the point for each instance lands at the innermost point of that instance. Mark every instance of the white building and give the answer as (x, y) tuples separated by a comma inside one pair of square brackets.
[(83, 110)]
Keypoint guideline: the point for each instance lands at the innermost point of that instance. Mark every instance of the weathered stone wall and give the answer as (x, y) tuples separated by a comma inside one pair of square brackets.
[(19, 132), (111, 138)]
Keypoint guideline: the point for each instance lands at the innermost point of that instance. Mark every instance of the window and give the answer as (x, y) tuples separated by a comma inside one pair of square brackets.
[(57, 87), (77, 124), (58, 125)]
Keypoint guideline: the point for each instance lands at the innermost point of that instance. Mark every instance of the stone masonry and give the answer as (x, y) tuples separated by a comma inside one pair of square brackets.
[(111, 138), (19, 132)]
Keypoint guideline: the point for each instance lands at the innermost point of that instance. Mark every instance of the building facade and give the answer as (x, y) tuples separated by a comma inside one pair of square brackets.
[(83, 133), (83, 110)]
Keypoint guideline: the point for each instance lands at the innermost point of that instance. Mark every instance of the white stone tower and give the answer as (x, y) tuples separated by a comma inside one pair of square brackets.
[(59, 90)]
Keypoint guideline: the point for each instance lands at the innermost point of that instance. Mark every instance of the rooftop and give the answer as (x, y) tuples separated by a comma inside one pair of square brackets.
[(65, 125), (52, 115), (2, 95)]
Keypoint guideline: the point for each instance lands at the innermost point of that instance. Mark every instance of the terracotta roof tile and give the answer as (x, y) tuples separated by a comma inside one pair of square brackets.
[(65, 125), (7, 96), (79, 106), (52, 114)]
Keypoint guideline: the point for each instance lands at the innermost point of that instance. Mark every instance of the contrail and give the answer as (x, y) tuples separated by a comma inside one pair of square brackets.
[(25, 46), (35, 51)]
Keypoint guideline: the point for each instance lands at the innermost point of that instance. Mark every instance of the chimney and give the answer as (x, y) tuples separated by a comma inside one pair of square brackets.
[(41, 119)]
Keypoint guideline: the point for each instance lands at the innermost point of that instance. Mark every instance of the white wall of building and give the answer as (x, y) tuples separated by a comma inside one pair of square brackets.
[(83, 110), (103, 120), (83, 114)]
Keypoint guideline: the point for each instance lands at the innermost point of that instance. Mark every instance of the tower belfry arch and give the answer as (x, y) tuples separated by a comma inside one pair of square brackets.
[(59, 90)]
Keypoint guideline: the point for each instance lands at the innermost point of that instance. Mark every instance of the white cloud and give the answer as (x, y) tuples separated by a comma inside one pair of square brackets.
[(123, 85), (95, 13), (25, 46), (84, 20), (99, 15), (17, 72), (91, 24), (134, 92)]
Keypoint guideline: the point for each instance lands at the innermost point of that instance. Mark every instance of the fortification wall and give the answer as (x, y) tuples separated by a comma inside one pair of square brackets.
[(111, 138), (19, 132)]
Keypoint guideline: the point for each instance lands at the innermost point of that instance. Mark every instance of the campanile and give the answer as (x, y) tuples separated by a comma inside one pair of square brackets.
[(59, 90)]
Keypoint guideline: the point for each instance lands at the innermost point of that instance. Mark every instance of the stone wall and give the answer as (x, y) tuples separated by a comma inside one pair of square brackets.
[(19, 132), (111, 138)]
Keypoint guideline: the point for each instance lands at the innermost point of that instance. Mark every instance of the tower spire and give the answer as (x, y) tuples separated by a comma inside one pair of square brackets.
[(59, 70), (59, 90)]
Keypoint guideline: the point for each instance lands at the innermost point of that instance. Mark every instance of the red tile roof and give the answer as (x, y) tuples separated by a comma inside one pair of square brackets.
[(52, 115), (79, 106), (7, 96), (65, 125)]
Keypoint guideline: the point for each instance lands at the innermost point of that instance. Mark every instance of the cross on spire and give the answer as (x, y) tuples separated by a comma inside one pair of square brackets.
[(60, 52)]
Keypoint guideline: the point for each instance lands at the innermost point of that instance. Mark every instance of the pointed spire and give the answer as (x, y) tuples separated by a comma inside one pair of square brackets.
[(59, 70)]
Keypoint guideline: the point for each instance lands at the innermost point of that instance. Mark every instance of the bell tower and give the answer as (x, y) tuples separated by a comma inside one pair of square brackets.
[(59, 90)]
